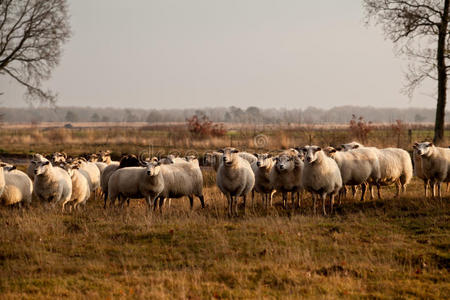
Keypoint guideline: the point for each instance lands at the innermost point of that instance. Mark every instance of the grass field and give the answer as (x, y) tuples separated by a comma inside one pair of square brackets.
[(393, 248), (378, 249)]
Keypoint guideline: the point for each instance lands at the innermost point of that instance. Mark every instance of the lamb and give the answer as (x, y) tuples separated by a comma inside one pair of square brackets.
[(15, 186), (51, 184), (80, 186), (126, 161), (235, 178), (435, 165), (357, 167), (262, 170), (182, 179), (395, 167), (36, 158), (321, 175), (286, 176), (136, 182)]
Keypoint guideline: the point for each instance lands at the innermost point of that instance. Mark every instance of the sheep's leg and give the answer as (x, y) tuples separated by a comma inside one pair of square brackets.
[(155, 203), (398, 186), (363, 191), (379, 191), (433, 189), (314, 202), (332, 202), (299, 195), (105, 196), (230, 205), (191, 201), (439, 184), (271, 196), (284, 199), (425, 187), (245, 198), (448, 186), (354, 190), (235, 204), (202, 200), (253, 198), (148, 201), (371, 192), (161, 203), (324, 197)]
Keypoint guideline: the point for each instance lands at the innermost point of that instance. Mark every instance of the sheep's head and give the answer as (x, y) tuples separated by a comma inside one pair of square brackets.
[(104, 156), (229, 155), (129, 160), (350, 146), (190, 158), (263, 160), (153, 167), (93, 157), (330, 151), (424, 148), (59, 157), (41, 167), (311, 153), (285, 162), (70, 168)]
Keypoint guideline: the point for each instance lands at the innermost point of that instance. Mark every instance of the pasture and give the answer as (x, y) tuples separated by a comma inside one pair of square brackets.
[(390, 248)]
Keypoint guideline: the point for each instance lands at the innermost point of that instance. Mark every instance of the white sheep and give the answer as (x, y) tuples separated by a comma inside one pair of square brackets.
[(395, 167), (235, 178), (418, 170), (80, 186), (262, 170), (435, 165), (358, 167), (182, 178), (321, 175), (125, 161), (91, 172), (286, 176), (136, 182), (51, 184), (15, 186)]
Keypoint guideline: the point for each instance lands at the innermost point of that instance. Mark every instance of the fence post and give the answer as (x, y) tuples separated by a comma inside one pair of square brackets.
[(409, 136)]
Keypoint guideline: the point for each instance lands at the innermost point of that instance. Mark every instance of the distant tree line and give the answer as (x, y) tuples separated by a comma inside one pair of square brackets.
[(250, 115)]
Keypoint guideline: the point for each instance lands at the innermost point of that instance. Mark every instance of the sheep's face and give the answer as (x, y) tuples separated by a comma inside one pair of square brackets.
[(70, 168), (153, 168), (41, 167), (330, 151), (104, 156), (263, 160), (350, 146), (229, 155), (311, 153), (423, 149), (58, 157), (190, 158), (93, 158), (285, 163)]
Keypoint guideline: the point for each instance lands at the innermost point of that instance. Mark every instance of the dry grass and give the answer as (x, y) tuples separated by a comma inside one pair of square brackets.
[(377, 249)]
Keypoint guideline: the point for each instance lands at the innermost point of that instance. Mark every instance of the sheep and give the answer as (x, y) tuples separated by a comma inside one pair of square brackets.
[(15, 186), (357, 167), (351, 146), (36, 158), (235, 178), (214, 159), (262, 170), (51, 184), (395, 167), (137, 182), (286, 176), (418, 169), (126, 161), (182, 178), (80, 186), (105, 156), (58, 157), (435, 165), (91, 172), (321, 175)]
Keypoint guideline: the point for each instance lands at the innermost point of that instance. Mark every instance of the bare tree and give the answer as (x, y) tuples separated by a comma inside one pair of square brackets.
[(31, 35), (420, 30)]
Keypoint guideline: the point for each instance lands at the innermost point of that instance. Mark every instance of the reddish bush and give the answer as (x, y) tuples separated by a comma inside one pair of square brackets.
[(203, 127), (360, 128)]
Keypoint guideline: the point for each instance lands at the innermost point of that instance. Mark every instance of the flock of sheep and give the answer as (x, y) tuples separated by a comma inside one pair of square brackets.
[(325, 173)]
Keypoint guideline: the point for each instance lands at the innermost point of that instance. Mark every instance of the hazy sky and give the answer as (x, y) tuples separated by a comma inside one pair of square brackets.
[(197, 53)]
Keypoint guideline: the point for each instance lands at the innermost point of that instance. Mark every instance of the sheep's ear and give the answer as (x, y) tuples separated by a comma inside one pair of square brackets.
[(12, 168), (255, 154), (46, 163), (355, 147), (64, 154), (235, 151), (430, 144), (2, 164), (269, 155), (220, 151), (318, 149), (332, 150)]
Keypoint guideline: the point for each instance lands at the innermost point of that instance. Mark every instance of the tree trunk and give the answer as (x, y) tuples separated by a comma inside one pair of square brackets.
[(442, 77)]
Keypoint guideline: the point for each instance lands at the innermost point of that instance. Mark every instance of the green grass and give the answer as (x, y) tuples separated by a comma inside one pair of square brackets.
[(377, 249)]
